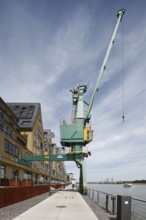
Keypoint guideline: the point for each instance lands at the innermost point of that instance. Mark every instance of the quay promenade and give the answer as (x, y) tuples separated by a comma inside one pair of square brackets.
[(15, 210), (66, 204)]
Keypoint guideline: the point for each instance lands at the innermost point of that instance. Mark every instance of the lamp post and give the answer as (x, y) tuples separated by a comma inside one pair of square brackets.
[(50, 153), (48, 138), (50, 166)]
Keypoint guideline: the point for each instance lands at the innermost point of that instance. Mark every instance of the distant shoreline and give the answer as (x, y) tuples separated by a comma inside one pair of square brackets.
[(136, 182)]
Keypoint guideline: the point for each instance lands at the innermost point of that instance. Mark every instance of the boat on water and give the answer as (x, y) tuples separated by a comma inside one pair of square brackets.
[(127, 185)]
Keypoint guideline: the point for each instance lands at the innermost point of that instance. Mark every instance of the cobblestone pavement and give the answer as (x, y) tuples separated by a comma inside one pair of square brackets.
[(11, 211)]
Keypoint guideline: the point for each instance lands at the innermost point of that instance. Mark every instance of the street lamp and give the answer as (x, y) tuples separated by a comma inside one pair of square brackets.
[(49, 135)]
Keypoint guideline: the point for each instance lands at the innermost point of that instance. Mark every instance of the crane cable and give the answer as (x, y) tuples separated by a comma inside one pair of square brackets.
[(123, 74)]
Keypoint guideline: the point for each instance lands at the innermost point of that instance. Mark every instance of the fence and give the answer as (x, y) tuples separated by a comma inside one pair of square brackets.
[(138, 209), (109, 203)]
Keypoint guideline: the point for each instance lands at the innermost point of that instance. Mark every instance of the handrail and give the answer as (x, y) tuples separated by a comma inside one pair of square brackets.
[(106, 203), (140, 200), (101, 192)]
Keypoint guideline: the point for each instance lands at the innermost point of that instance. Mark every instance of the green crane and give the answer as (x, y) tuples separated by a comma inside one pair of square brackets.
[(78, 133)]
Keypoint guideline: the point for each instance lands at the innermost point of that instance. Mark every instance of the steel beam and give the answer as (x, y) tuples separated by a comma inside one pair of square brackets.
[(54, 157)]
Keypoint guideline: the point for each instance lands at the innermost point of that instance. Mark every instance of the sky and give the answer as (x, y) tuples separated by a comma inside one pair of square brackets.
[(48, 47)]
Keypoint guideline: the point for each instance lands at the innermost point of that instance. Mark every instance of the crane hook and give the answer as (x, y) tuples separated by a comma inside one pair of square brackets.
[(123, 117)]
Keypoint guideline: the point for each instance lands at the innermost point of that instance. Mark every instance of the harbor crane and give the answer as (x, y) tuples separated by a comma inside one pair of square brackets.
[(78, 133)]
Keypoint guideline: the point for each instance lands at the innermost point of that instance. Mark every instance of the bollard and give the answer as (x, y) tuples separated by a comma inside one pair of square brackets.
[(113, 198), (106, 204), (92, 194), (123, 207), (97, 197)]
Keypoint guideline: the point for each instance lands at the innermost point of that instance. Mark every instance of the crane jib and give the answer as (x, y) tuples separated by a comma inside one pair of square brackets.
[(103, 67)]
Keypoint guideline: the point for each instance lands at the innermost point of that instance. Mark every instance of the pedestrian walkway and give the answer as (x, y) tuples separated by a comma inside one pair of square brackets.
[(66, 204)]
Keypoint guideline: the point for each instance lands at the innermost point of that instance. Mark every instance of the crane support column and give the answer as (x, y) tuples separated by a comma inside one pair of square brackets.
[(82, 178)]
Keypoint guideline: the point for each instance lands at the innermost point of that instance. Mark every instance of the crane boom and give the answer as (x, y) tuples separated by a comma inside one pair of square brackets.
[(103, 67)]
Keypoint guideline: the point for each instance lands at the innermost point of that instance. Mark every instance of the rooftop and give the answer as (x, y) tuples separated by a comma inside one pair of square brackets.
[(26, 113)]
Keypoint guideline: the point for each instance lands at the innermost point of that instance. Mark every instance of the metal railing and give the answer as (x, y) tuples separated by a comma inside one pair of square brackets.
[(109, 203), (104, 200), (138, 209)]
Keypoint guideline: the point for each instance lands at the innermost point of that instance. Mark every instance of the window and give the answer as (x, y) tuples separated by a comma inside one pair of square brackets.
[(2, 171), (15, 174), (39, 133), (11, 124), (11, 148), (5, 129), (1, 113), (26, 122), (11, 117), (0, 126), (21, 141), (16, 151), (34, 137), (9, 132), (17, 130), (6, 146), (27, 175)]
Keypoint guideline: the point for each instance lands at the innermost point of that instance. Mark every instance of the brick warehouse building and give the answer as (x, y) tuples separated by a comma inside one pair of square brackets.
[(22, 133)]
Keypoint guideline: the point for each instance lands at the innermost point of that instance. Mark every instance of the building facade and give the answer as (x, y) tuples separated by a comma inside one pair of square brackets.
[(21, 133)]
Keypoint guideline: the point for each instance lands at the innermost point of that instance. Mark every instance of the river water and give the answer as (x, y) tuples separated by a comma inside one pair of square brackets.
[(136, 191)]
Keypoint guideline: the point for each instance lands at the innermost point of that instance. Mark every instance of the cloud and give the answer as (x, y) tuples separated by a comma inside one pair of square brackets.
[(46, 51)]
